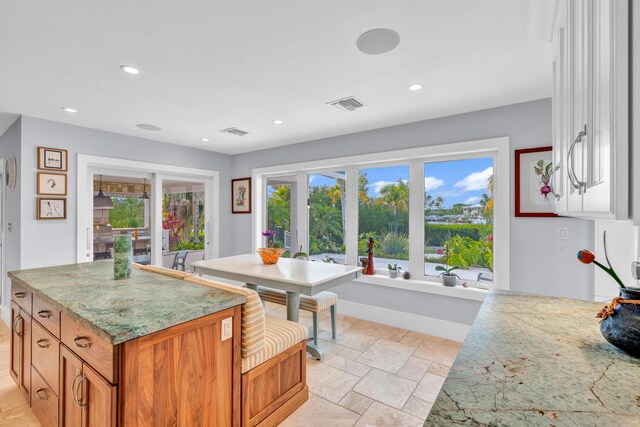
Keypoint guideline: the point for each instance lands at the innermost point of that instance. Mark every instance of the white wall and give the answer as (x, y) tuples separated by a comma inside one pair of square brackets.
[(540, 263), (46, 243)]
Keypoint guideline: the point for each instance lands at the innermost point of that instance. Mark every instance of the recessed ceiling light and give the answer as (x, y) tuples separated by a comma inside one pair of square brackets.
[(130, 69), (415, 86), (69, 109), (378, 41), (204, 139), (277, 122), (147, 126)]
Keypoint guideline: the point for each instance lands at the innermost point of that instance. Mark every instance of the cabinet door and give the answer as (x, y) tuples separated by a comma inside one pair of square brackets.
[(21, 351), (16, 343), (98, 400), (70, 376), (559, 179)]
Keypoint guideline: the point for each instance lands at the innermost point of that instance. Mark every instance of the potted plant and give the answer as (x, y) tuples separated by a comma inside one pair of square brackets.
[(393, 270), (448, 278)]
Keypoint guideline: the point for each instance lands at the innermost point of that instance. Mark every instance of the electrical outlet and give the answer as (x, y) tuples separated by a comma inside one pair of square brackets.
[(563, 233), (227, 328)]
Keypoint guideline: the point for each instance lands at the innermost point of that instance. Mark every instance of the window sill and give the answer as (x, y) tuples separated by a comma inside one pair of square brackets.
[(424, 286)]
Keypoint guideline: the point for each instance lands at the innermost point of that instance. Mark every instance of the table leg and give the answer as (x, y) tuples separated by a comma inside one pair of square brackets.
[(293, 314)]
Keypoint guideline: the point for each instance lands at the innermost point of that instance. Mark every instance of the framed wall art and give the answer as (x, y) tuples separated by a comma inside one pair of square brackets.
[(51, 208), (53, 159), (241, 195), (533, 175), (52, 184)]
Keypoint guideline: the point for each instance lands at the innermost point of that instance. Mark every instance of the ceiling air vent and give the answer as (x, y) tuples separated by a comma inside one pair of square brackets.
[(234, 131), (349, 103)]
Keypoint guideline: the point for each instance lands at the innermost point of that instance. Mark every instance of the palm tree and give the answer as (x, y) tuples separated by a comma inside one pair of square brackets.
[(397, 197), (489, 205), (438, 202)]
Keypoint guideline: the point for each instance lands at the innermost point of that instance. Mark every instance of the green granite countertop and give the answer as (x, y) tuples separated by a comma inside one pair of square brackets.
[(538, 361), (123, 310)]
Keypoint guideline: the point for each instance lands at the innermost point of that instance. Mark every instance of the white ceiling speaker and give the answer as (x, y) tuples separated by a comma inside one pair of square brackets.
[(378, 41), (147, 126)]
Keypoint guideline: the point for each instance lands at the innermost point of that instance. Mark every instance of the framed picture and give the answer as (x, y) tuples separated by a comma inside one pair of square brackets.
[(52, 159), (241, 195), (50, 208), (534, 192), (52, 184)]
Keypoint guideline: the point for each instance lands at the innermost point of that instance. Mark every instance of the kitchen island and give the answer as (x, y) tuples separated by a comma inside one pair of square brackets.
[(90, 350), (535, 360)]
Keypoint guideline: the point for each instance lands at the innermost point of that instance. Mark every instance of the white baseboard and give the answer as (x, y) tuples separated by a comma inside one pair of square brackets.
[(413, 322)]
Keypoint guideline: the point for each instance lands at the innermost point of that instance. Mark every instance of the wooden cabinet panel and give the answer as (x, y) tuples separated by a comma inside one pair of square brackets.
[(47, 316), (21, 296), (44, 402), (98, 353), (20, 364), (16, 344), (45, 351), (70, 375), (183, 375), (98, 400)]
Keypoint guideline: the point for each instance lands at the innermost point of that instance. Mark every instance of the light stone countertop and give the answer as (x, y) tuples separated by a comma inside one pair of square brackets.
[(538, 361), (123, 310)]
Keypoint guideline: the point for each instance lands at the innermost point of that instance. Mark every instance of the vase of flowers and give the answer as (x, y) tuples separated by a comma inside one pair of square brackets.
[(271, 253), (620, 319)]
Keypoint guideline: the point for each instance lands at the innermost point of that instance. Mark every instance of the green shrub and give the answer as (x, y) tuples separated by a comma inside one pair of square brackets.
[(438, 234), (394, 244), (464, 252)]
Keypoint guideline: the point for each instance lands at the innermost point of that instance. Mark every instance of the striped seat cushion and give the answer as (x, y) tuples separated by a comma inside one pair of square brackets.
[(166, 271), (252, 322), (279, 335), (316, 303)]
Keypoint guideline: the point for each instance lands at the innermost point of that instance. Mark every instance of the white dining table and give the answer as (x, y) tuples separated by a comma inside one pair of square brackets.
[(293, 276)]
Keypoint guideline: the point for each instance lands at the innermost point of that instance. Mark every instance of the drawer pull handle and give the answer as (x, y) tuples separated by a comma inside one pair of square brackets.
[(86, 344), (20, 294), (43, 396), (39, 342), (17, 322), (74, 389), (45, 314)]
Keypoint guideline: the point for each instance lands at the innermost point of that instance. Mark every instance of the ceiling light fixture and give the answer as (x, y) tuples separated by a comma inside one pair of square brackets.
[(204, 139), (148, 126), (277, 122), (415, 86), (378, 41), (69, 109), (130, 69), (145, 195), (100, 200)]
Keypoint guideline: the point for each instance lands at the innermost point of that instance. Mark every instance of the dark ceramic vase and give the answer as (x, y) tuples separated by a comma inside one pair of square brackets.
[(622, 328)]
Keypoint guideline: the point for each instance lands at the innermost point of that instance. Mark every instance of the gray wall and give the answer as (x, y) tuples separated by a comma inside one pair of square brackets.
[(46, 243), (10, 146), (540, 263)]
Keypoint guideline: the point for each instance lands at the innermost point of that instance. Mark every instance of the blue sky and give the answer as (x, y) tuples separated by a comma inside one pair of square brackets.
[(459, 181)]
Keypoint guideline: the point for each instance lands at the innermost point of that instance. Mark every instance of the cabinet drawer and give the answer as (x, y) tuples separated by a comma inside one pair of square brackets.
[(46, 315), (44, 403), (45, 355), (21, 296), (98, 353)]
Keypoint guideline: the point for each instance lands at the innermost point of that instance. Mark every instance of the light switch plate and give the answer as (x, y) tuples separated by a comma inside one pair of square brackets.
[(563, 233), (227, 328)]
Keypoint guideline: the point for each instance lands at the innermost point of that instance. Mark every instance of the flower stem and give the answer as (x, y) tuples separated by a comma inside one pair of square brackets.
[(611, 273)]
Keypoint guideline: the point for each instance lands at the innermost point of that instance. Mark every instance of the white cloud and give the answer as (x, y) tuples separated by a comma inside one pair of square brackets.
[(379, 185), (311, 178), (472, 200), (431, 183), (475, 181)]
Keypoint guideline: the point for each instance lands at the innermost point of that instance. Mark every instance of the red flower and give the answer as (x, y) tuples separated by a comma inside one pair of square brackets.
[(586, 256)]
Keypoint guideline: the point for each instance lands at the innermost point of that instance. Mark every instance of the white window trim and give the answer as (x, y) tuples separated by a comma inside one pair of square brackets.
[(88, 165), (498, 148)]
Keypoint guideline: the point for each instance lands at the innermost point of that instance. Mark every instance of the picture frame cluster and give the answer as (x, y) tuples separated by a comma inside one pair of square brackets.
[(52, 184)]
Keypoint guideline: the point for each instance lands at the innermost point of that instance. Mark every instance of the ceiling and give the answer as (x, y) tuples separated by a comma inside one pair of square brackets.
[(210, 64)]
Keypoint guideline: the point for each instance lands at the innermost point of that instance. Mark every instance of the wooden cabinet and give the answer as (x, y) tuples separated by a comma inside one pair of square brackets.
[(86, 399), (44, 401), (590, 108), (20, 365)]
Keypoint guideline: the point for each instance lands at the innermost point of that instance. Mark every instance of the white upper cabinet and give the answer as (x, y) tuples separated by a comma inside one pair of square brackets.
[(590, 108)]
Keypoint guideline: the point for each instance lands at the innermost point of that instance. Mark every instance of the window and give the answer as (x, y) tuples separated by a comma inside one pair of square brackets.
[(458, 218), (281, 219), (425, 208), (327, 216), (383, 214), (183, 216), (127, 212)]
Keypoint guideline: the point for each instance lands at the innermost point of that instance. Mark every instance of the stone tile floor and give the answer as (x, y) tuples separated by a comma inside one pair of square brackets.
[(372, 375)]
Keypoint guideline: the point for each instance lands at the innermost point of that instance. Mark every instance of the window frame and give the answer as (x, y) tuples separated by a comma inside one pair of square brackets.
[(415, 158)]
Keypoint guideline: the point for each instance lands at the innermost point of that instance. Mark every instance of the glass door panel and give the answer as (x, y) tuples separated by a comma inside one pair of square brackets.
[(281, 214)]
